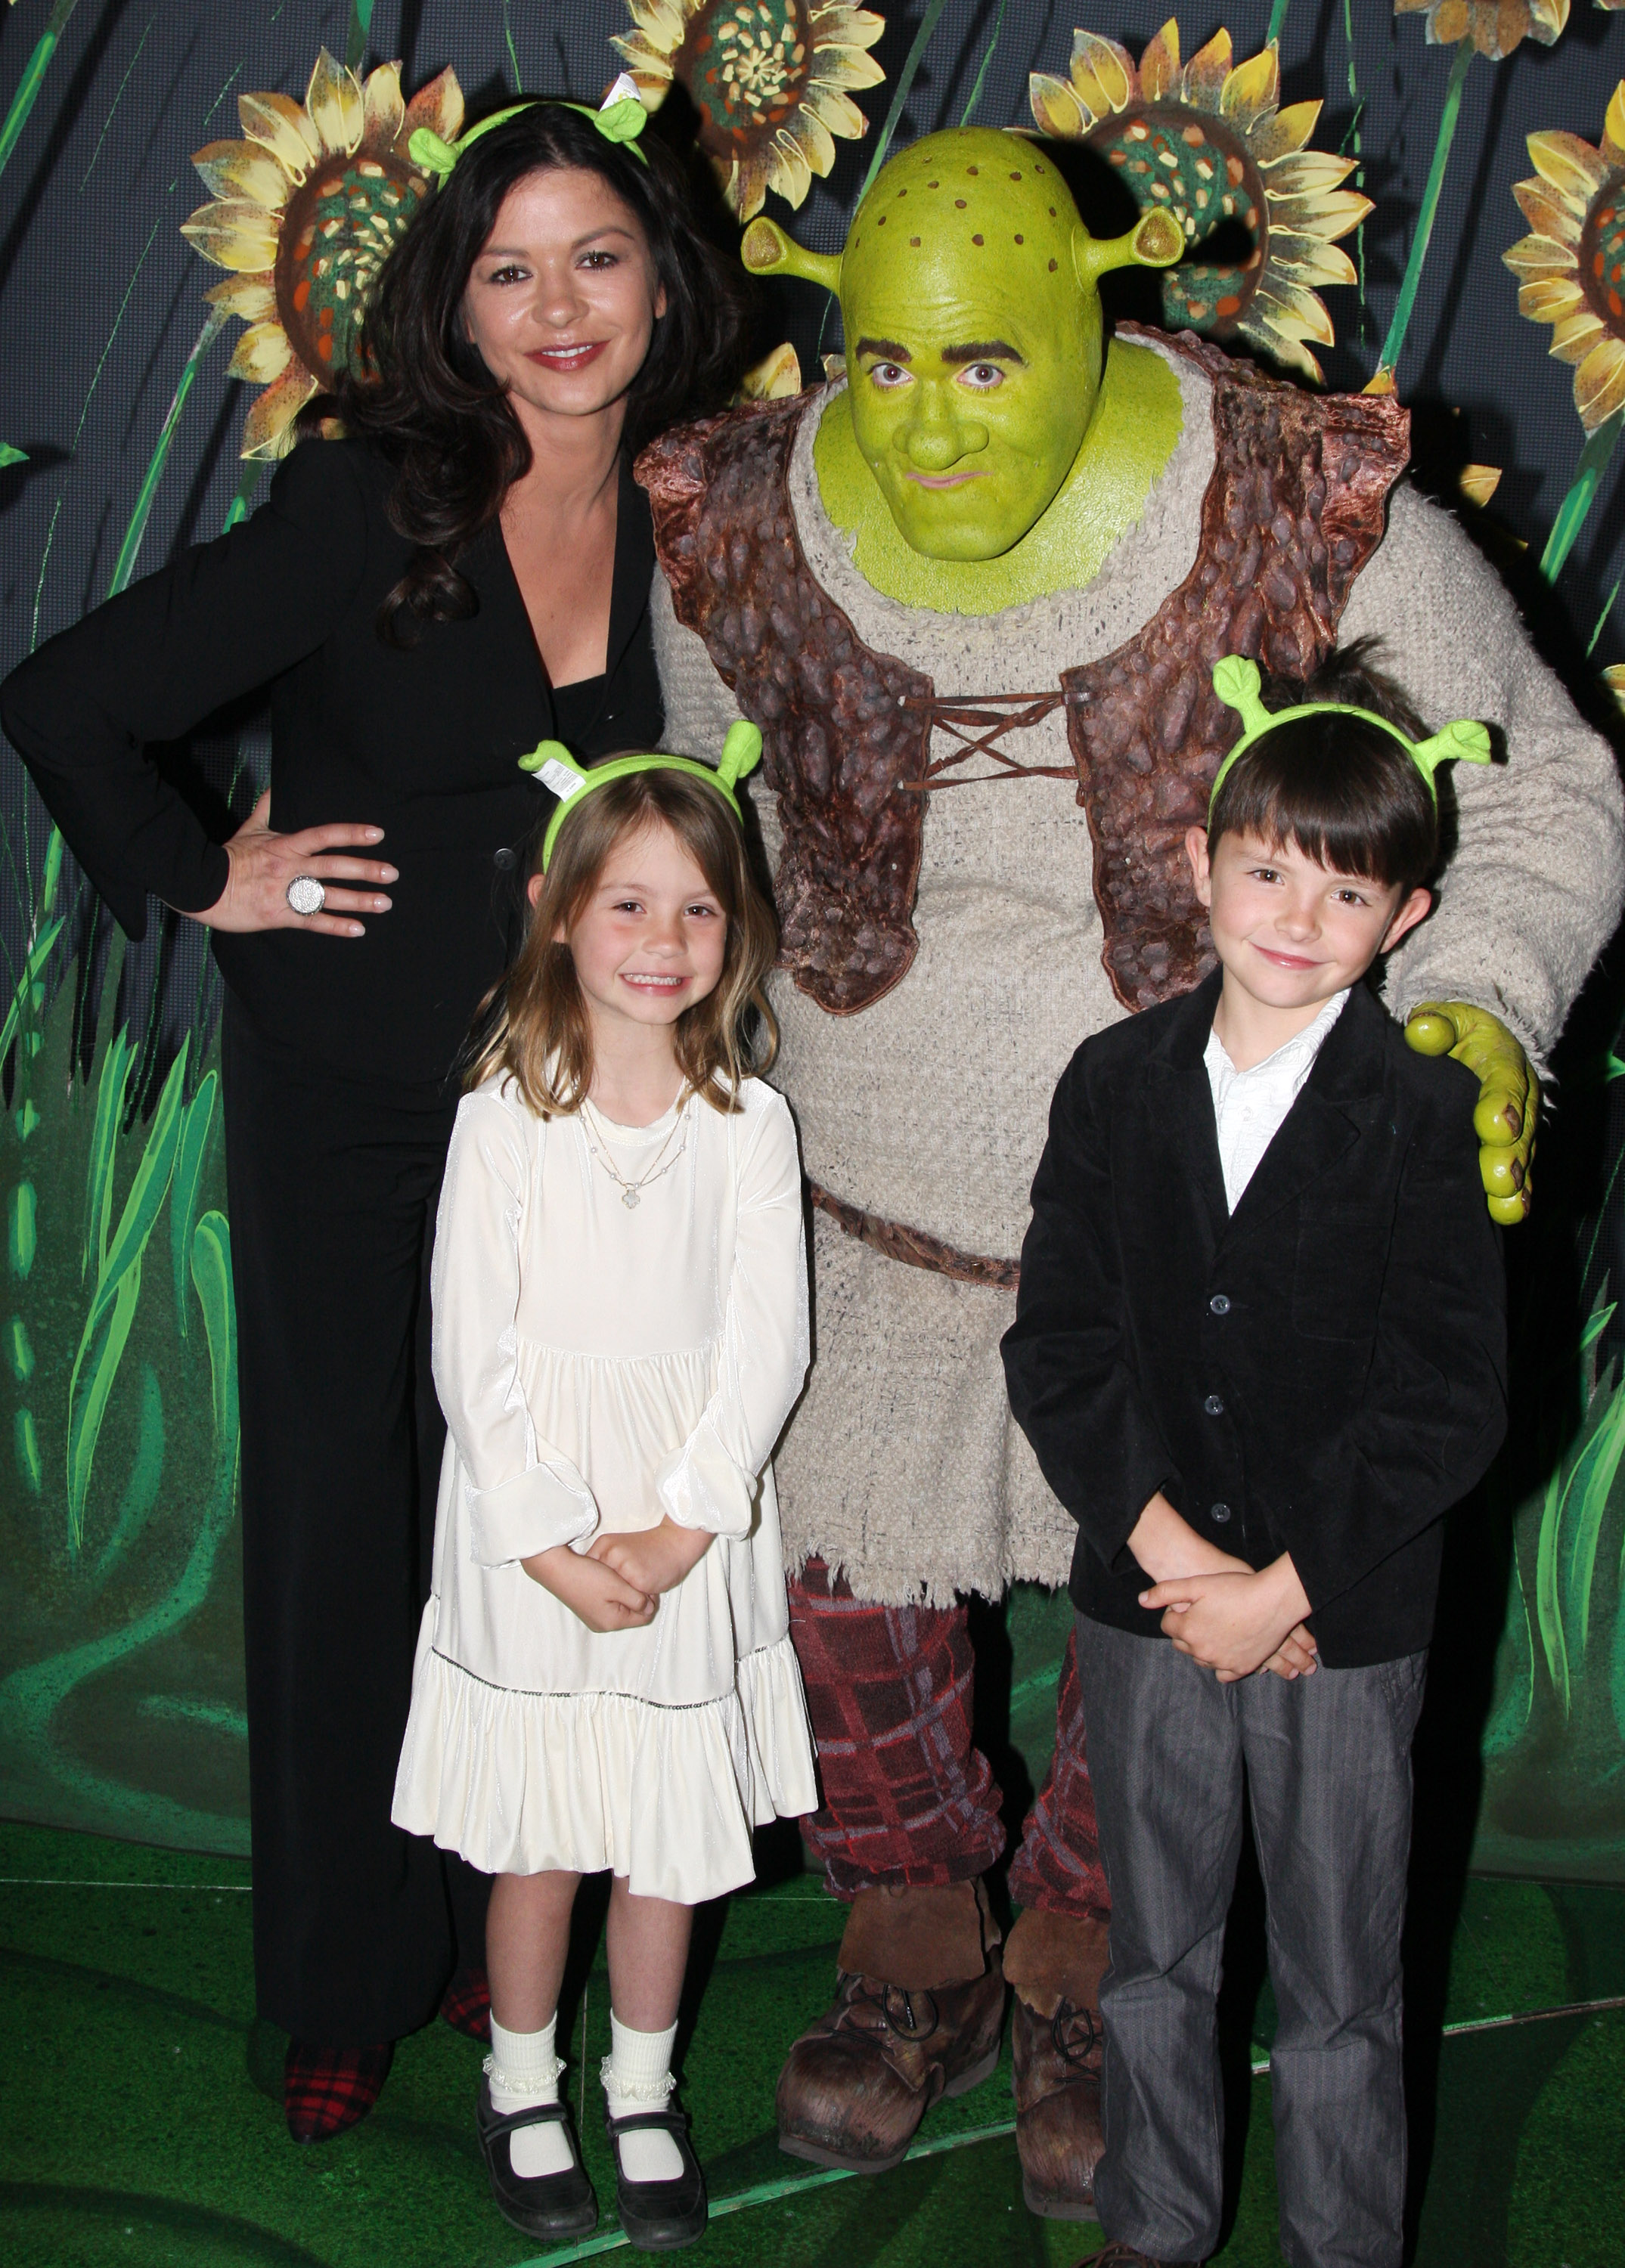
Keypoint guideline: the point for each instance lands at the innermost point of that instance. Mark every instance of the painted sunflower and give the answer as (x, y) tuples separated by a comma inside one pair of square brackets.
[(1571, 270), (1208, 143), (306, 209), (1495, 26), (768, 80)]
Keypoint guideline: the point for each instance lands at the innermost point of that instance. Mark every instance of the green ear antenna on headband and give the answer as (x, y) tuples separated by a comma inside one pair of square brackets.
[(1236, 682), (556, 769), (622, 118)]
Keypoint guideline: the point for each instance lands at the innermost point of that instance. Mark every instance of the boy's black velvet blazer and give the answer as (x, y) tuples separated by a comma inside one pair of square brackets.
[(423, 743), (1323, 1373)]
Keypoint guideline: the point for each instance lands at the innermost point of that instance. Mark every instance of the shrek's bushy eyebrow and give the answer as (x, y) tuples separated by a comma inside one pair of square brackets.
[(888, 349), (984, 351)]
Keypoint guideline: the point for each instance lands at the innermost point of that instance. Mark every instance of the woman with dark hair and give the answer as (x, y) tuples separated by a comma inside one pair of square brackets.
[(467, 574)]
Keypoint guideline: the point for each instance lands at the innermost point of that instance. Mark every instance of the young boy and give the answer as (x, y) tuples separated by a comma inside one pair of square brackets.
[(1260, 1351)]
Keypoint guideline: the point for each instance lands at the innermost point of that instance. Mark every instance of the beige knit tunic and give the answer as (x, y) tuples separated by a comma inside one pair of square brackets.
[(902, 1465)]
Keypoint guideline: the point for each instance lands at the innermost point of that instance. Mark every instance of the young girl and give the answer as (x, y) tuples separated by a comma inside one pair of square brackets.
[(604, 1678)]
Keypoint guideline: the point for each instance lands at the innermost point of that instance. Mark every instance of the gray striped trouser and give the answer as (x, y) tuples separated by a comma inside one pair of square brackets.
[(1328, 1775)]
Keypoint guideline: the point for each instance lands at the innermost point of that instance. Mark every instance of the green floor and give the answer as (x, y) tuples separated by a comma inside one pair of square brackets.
[(139, 2122)]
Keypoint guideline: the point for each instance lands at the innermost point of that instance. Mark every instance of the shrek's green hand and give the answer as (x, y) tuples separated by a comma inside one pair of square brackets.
[(1508, 1102)]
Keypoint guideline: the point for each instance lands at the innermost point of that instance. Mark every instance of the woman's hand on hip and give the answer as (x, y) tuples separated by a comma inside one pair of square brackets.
[(593, 1592), (263, 864)]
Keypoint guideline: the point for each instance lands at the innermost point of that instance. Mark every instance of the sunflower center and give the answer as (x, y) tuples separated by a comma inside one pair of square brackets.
[(745, 64), (340, 226), (1203, 173), (1602, 255)]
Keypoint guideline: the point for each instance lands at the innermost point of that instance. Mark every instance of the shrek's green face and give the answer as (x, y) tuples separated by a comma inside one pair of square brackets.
[(973, 342)]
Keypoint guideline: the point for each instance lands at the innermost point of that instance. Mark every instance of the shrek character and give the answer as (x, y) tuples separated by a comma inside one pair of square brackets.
[(973, 595)]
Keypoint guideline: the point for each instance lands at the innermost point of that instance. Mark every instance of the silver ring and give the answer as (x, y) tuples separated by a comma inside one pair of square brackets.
[(305, 895)]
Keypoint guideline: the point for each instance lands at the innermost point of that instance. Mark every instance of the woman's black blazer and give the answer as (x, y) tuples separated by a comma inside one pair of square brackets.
[(422, 742)]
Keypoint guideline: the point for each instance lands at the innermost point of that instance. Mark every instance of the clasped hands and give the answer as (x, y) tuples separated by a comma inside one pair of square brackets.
[(615, 1584), (1226, 1616)]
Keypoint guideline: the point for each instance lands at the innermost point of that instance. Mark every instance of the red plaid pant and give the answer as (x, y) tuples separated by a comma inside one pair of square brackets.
[(908, 1798)]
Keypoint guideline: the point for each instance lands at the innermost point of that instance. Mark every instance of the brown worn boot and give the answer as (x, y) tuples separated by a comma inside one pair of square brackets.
[(918, 2014), (1055, 1963)]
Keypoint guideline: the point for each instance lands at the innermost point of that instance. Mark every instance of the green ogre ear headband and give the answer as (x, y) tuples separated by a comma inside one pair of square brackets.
[(1236, 682), (621, 119), (558, 769)]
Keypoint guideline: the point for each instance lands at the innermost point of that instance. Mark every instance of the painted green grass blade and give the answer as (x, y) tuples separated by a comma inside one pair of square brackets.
[(147, 1191), (10, 456), (194, 1148), (87, 1410), (31, 973), (211, 1273), (34, 78), (1581, 496), (116, 1069), (124, 565), (1593, 1476), (1277, 18), (907, 77), (1548, 1610), (360, 28), (981, 76), (1395, 341)]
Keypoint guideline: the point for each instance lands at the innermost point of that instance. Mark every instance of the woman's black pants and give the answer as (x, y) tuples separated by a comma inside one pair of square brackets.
[(332, 1186)]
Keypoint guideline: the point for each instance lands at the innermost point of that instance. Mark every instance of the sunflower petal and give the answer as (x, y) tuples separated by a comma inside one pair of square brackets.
[(261, 354), (1575, 170), (1540, 255), (234, 235), (854, 28), (1284, 345), (1573, 337), (662, 22), (245, 170), (851, 65), (1102, 73), (791, 175), (774, 378), (817, 143), (1599, 384), (1328, 213), (1251, 89), (268, 429), (1479, 483), (747, 181), (1550, 297), (1614, 127), (1288, 307), (1286, 131), (253, 297), (1057, 107), (383, 110), (1307, 170), (1546, 212), (839, 112), (1309, 259), (1159, 65), (334, 101), (438, 107), (1205, 74), (651, 71), (282, 126)]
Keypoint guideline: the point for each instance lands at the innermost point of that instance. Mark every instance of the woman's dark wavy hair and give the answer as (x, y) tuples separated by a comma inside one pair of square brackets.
[(424, 396)]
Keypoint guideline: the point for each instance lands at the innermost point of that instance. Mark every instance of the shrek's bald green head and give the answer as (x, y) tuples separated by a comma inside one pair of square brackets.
[(968, 292)]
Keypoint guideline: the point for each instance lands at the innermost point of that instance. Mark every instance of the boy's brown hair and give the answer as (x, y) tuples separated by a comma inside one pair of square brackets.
[(534, 1024), (1348, 794)]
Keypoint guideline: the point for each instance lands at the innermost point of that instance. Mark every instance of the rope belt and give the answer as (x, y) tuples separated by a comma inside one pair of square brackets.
[(915, 1246)]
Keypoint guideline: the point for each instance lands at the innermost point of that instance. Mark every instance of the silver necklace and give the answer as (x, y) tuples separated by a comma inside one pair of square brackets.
[(630, 1190)]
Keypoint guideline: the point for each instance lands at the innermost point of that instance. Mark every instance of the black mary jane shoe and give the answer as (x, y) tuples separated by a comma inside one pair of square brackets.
[(548, 2206), (658, 2216)]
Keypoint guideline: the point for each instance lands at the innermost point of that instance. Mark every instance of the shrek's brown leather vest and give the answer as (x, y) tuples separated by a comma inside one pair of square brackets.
[(1293, 511)]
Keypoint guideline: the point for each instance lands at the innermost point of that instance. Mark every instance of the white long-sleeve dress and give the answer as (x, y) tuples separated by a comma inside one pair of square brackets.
[(600, 1366)]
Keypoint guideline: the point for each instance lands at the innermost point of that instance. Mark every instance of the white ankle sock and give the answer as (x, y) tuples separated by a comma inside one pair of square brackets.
[(523, 2071), (637, 2076)]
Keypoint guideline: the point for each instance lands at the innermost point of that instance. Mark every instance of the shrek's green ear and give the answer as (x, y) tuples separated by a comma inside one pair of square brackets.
[(766, 250), (1156, 240)]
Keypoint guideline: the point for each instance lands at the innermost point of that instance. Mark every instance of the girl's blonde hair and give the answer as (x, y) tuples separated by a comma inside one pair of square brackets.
[(534, 1024)]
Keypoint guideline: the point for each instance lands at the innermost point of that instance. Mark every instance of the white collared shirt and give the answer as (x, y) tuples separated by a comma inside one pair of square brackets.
[(1248, 1106)]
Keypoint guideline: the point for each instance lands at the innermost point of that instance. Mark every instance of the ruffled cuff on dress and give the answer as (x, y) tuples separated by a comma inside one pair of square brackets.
[(534, 1511), (700, 1486)]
